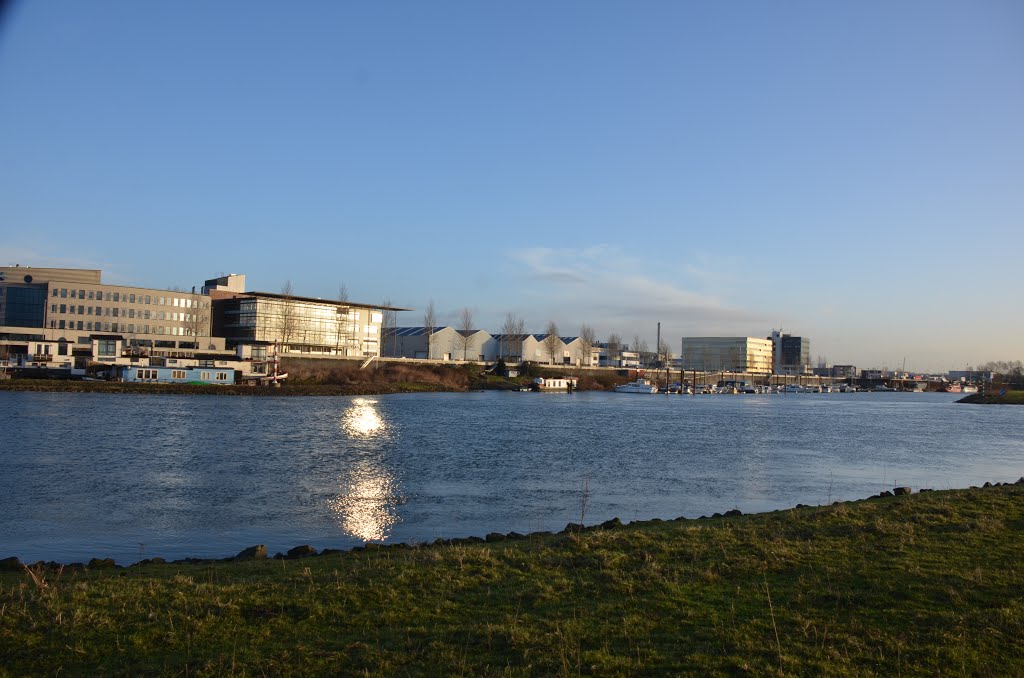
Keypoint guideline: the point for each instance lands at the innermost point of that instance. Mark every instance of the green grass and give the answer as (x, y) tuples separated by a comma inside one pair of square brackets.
[(925, 584), (993, 397)]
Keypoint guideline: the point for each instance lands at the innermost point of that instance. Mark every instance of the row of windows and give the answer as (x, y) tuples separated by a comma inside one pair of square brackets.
[(120, 327), (145, 374), (129, 297), (122, 312)]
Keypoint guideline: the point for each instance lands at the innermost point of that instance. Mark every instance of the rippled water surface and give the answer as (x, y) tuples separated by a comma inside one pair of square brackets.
[(130, 476)]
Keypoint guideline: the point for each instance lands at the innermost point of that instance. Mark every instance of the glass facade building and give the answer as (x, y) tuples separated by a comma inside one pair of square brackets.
[(299, 324)]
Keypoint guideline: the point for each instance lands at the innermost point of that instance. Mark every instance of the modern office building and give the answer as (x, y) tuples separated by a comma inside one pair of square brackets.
[(792, 355), (727, 354), (303, 325), (69, 310)]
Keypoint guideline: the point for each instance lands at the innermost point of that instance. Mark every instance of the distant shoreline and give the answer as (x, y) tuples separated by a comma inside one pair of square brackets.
[(359, 389)]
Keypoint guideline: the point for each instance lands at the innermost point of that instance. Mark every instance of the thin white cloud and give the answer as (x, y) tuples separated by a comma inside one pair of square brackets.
[(15, 255), (612, 289)]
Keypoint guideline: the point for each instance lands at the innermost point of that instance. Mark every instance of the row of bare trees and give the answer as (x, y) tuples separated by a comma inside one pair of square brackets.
[(512, 331)]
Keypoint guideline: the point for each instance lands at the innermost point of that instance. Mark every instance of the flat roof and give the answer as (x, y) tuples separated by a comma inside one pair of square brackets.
[(314, 300)]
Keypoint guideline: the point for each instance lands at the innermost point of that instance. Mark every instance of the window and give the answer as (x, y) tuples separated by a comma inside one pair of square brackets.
[(205, 376), (377, 317), (53, 308), (63, 293), (175, 301), (106, 311), (131, 298), (91, 295), (80, 324), (108, 296), (74, 294), (145, 329), (71, 309), (117, 297), (115, 311), (146, 314), (177, 374), (63, 308), (222, 376), (106, 327), (147, 301), (62, 348), (131, 312), (88, 326), (106, 347), (81, 310), (54, 291)]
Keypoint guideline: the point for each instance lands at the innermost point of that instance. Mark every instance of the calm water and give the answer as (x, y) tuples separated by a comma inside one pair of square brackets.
[(129, 476)]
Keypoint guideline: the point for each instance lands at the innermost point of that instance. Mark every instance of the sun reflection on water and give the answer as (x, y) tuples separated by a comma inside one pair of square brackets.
[(369, 494), (363, 420), (367, 506)]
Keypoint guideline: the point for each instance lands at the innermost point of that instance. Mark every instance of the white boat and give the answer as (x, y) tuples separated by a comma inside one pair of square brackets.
[(969, 388), (558, 384), (641, 385)]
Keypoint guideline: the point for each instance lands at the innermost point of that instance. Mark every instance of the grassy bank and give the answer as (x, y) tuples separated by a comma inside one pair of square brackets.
[(995, 398), (72, 386), (335, 377), (927, 583)]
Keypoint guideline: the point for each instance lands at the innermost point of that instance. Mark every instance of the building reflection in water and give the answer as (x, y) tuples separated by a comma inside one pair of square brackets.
[(369, 495)]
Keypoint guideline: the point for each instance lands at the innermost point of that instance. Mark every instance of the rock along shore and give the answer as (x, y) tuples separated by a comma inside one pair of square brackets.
[(259, 551)]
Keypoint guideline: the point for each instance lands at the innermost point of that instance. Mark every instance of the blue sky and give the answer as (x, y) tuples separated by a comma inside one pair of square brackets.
[(852, 172)]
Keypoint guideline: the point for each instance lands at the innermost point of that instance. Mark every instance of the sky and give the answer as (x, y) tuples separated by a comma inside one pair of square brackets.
[(849, 172)]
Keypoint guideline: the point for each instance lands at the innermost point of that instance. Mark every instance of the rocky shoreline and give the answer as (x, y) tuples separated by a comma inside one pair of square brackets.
[(259, 551)]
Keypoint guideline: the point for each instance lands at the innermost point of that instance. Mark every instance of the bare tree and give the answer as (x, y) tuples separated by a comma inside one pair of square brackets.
[(342, 334), (512, 336), (551, 341), (198, 320), (614, 348), (388, 322), (663, 352), (586, 342), (287, 319), (640, 346), (429, 324), (466, 331)]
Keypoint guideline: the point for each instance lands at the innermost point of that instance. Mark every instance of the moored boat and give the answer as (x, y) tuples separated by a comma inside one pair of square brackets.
[(641, 385), (556, 384)]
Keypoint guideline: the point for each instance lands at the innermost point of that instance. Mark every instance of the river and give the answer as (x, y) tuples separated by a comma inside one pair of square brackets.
[(136, 476)]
